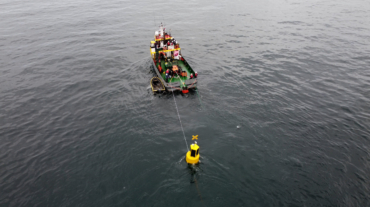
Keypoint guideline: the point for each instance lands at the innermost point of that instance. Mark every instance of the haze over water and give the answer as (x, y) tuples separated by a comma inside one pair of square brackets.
[(79, 126)]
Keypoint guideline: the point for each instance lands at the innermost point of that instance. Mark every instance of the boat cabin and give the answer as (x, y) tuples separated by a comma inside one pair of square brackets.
[(168, 60)]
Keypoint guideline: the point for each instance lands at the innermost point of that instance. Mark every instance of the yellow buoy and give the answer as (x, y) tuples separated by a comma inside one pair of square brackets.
[(192, 157)]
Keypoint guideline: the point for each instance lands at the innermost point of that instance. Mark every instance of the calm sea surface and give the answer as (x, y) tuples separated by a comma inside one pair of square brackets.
[(283, 112)]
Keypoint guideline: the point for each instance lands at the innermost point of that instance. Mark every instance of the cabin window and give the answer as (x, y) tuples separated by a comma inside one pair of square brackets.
[(193, 153), (197, 151)]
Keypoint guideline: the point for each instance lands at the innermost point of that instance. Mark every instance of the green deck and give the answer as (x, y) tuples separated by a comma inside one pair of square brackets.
[(180, 64)]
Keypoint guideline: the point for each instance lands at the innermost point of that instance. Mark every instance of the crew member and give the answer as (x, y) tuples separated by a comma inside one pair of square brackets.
[(167, 74)]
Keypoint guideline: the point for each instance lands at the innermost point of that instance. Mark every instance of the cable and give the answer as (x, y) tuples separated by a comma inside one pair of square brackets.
[(178, 114), (200, 196)]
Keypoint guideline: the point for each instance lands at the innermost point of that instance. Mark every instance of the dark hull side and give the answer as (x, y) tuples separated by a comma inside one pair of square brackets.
[(191, 83)]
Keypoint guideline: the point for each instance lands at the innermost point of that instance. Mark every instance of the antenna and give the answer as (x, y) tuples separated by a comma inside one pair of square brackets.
[(162, 17)]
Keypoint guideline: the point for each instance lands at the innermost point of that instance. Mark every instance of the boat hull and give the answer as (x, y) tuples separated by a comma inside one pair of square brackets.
[(157, 85)]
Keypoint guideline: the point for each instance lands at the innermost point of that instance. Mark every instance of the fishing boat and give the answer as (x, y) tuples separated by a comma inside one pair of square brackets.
[(157, 85), (170, 65)]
